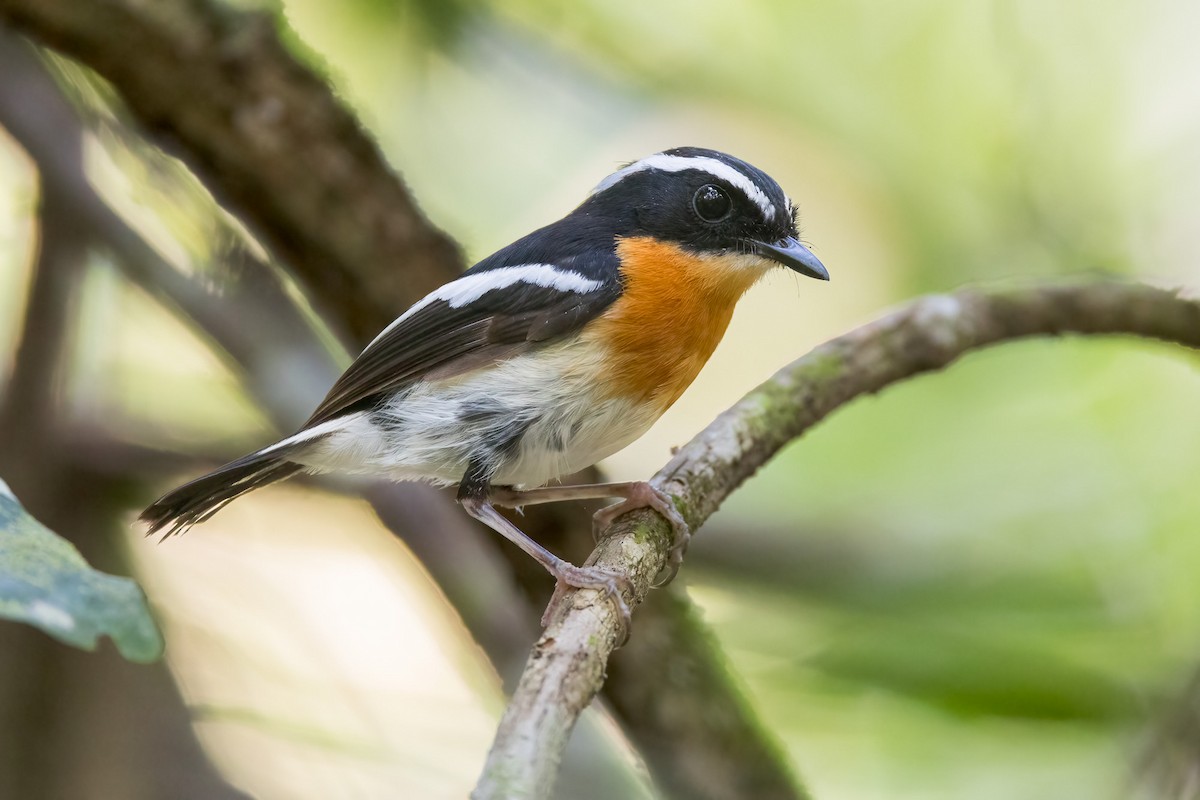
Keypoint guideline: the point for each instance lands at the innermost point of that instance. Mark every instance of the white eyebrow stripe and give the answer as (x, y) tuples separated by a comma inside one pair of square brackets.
[(469, 288), (718, 169)]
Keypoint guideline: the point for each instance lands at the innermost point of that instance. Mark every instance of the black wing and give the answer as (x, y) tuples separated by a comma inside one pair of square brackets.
[(439, 340)]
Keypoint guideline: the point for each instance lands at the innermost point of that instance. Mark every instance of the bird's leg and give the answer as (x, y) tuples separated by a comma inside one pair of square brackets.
[(636, 494), (565, 573)]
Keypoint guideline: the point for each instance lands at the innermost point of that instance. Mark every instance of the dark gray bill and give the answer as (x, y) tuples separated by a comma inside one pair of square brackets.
[(792, 255)]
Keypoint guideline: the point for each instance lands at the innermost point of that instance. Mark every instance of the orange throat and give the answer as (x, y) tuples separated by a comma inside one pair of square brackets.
[(669, 319)]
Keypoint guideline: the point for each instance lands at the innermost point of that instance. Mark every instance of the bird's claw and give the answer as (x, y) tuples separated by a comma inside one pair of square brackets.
[(612, 584), (644, 495)]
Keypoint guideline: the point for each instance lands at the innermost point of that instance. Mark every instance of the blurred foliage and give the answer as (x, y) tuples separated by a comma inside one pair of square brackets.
[(979, 585), (44, 582)]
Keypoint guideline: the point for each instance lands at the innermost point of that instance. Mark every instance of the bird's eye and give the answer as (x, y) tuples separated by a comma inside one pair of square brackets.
[(712, 203)]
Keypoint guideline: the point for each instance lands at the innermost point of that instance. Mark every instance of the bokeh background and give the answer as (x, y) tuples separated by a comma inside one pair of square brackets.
[(982, 584)]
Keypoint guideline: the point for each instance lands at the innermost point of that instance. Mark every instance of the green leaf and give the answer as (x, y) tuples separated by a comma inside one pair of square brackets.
[(45, 582)]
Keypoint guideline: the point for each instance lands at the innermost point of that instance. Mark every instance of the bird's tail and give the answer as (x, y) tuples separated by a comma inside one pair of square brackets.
[(194, 502)]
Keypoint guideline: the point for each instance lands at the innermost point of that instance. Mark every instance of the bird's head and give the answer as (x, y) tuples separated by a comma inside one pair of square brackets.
[(707, 203)]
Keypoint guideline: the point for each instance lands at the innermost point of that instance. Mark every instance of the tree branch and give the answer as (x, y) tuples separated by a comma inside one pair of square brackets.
[(567, 665), (1169, 765), (269, 137)]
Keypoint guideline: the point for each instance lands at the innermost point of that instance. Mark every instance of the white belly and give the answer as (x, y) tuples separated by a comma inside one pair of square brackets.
[(530, 419)]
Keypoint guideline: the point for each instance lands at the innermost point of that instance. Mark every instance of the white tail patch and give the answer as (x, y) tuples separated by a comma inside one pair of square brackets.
[(308, 434)]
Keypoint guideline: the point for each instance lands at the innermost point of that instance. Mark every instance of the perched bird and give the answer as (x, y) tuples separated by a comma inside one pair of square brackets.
[(545, 357)]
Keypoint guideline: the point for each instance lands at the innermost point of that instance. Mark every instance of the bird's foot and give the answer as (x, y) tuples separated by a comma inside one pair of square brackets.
[(614, 585), (643, 495)]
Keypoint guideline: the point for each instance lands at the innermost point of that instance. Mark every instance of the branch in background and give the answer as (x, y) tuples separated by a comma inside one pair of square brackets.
[(31, 396), (30, 402), (269, 137), (566, 667), (1169, 766)]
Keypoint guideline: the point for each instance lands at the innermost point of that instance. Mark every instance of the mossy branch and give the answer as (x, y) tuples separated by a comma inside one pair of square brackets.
[(567, 666)]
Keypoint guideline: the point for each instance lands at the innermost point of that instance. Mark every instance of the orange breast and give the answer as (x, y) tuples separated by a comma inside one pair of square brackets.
[(672, 313)]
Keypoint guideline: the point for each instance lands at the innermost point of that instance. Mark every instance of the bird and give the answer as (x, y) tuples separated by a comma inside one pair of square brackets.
[(545, 357)]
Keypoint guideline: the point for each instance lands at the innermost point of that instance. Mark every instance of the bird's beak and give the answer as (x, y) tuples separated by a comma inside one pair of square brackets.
[(792, 255)]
